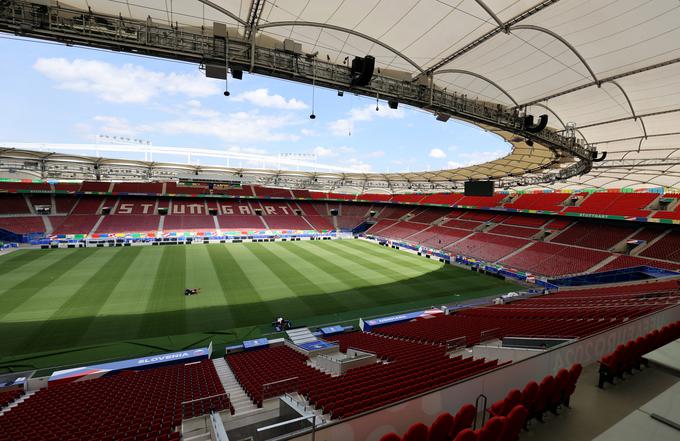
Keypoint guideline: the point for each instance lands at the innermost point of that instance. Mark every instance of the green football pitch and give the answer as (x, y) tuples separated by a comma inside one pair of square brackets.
[(70, 306)]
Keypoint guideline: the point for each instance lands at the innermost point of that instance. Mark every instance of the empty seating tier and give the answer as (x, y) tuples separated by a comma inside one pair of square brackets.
[(127, 406)]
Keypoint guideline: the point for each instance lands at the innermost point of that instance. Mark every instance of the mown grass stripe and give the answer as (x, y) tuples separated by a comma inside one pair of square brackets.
[(270, 286), (68, 324), (17, 259), (307, 291), (22, 292), (351, 280), (242, 289), (223, 267), (126, 306), (165, 310), (385, 287)]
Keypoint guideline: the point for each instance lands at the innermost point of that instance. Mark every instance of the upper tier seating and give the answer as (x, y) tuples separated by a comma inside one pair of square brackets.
[(490, 247), (669, 214), (481, 201), (539, 201), (270, 192), (598, 236), (22, 224), (667, 248), (14, 204), (138, 187), (99, 187), (412, 198), (553, 260), (442, 198), (35, 186), (374, 197), (621, 204), (67, 186), (129, 223), (128, 406)]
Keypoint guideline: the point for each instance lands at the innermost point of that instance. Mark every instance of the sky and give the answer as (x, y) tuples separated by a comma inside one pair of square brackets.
[(68, 95)]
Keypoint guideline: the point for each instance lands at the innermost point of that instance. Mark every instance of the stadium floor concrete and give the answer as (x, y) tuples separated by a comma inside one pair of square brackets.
[(594, 410)]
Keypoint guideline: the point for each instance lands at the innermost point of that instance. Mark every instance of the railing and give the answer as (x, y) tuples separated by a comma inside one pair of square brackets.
[(276, 388), (201, 406)]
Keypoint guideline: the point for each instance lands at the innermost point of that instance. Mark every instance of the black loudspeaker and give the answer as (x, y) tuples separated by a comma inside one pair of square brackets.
[(529, 123), (393, 104), (601, 158), (362, 70), (236, 74)]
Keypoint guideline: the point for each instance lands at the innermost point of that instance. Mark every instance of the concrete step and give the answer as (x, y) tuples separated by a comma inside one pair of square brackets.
[(16, 402), (238, 397)]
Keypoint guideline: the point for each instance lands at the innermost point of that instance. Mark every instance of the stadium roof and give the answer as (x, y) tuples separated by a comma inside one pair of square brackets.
[(610, 67)]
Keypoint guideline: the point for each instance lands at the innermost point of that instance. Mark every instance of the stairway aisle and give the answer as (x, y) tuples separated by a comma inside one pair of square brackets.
[(237, 395)]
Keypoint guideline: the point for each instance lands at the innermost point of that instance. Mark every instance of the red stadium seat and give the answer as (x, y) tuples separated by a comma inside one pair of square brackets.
[(466, 435), (417, 432), (441, 427)]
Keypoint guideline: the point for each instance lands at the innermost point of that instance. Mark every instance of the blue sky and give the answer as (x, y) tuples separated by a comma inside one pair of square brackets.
[(57, 94)]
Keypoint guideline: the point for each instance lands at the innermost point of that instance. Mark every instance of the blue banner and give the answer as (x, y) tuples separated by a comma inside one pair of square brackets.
[(154, 361), (257, 343)]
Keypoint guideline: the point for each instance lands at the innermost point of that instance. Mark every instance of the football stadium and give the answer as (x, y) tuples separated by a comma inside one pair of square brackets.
[(417, 220)]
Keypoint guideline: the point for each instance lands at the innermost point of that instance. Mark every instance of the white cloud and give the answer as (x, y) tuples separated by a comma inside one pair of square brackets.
[(376, 154), (437, 153), (323, 152), (359, 165), (262, 98), (113, 125), (308, 132), (252, 150), (121, 84), (345, 126), (233, 127)]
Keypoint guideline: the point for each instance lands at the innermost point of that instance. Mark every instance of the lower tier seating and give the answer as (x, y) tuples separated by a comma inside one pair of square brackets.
[(490, 247), (9, 396), (598, 236), (413, 367), (189, 223), (22, 224), (552, 260), (667, 248), (133, 223), (127, 406), (572, 313), (77, 224)]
